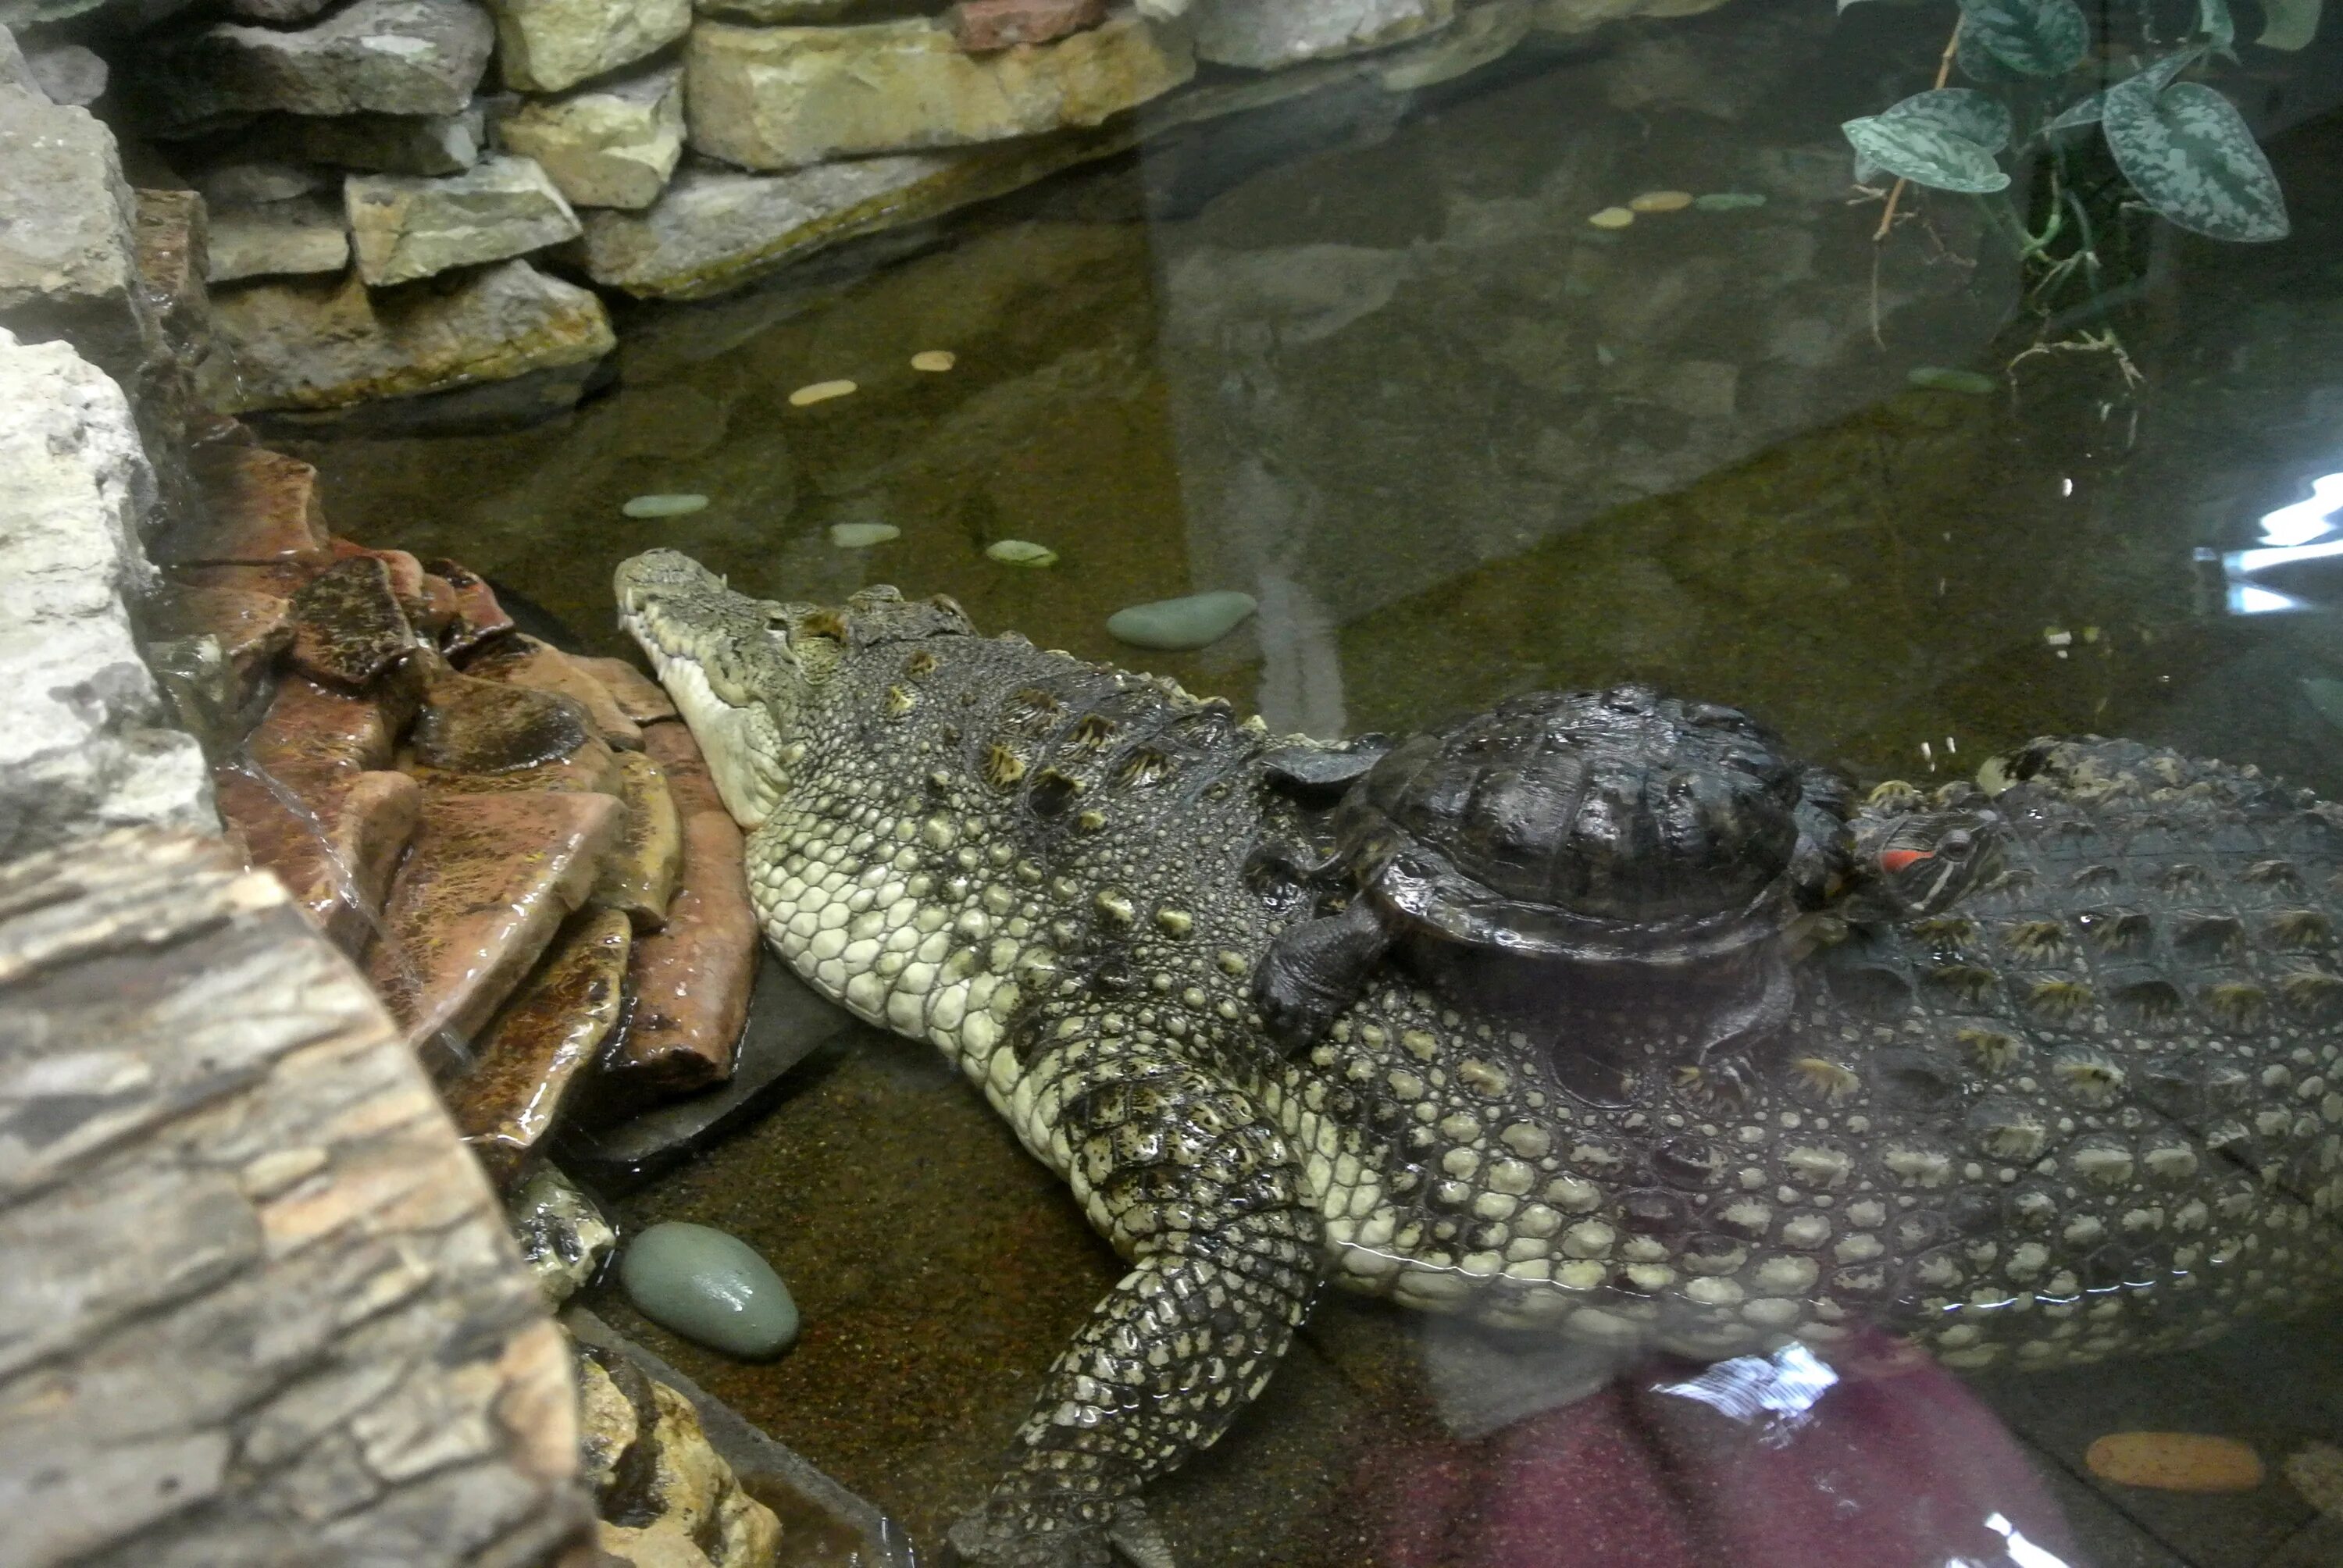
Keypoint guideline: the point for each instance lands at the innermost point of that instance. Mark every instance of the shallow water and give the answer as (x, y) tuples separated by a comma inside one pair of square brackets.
[(1362, 357)]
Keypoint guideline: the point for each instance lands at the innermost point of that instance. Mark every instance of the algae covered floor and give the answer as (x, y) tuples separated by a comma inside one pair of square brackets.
[(1362, 357)]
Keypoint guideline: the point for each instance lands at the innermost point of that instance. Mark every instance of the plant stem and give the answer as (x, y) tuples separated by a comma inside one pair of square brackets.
[(1944, 75)]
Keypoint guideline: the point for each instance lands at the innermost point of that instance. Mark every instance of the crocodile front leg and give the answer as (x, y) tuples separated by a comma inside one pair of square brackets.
[(1193, 1182)]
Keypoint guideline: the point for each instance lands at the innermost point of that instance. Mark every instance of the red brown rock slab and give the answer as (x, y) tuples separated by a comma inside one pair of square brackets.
[(522, 660), (252, 627), (530, 1054), (312, 729), (672, 746), (691, 980), (640, 874), (334, 844), (471, 726), (407, 582), (262, 507), (592, 768), (983, 24), (347, 625), (478, 617), (638, 696), (489, 881)]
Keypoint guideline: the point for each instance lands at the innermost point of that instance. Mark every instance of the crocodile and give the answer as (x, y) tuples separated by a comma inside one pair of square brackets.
[(2091, 1110)]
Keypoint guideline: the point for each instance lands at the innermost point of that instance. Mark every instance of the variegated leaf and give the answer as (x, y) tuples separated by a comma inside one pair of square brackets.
[(2037, 37), (2188, 152)]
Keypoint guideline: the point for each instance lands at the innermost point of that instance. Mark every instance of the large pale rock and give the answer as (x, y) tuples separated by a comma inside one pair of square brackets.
[(403, 228), (382, 144), (83, 747), (67, 73), (1569, 17), (279, 239), (1267, 35), (389, 56), (716, 229), (67, 249), (550, 45), (254, 181), (781, 13), (329, 344), (783, 97), (173, 236), (614, 144), (1484, 32)]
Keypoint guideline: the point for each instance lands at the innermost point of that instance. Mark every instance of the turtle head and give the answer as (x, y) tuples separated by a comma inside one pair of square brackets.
[(1909, 865)]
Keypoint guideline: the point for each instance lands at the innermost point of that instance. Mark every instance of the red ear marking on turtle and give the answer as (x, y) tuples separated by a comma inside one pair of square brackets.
[(1895, 860)]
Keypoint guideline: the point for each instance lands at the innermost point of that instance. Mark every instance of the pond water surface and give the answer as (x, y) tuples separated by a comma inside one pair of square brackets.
[(1362, 356)]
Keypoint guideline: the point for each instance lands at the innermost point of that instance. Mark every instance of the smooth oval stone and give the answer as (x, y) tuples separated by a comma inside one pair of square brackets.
[(1021, 553), (709, 1287), (935, 361), (1175, 624), (663, 505), (862, 536), (1612, 217), (820, 392), (1662, 201), (1728, 201), (1938, 378)]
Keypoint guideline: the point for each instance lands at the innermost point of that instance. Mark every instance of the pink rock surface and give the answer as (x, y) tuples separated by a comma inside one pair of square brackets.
[(311, 729), (489, 881), (479, 618), (333, 846), (263, 506), (638, 696), (691, 980), (983, 24), (252, 625), (520, 661), (688, 779)]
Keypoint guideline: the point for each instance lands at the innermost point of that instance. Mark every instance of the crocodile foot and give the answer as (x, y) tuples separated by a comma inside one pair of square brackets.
[(1009, 1535)]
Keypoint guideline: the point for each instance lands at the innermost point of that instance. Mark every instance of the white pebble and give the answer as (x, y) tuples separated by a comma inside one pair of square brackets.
[(663, 505), (1021, 553), (862, 536)]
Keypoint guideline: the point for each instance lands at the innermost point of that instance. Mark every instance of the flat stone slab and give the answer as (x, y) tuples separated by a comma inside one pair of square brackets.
[(334, 844), (691, 980), (262, 1307), (489, 879), (784, 97), (386, 56), (1266, 35), (249, 625), (523, 660), (979, 25), (331, 344), (312, 730), (546, 45), (614, 143), (280, 238), (260, 509), (381, 143), (510, 1100), (637, 696), (406, 226), (640, 877)]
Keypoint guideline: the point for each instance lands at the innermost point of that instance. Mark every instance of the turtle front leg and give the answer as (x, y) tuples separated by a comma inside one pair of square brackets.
[(1313, 970), (1197, 1187)]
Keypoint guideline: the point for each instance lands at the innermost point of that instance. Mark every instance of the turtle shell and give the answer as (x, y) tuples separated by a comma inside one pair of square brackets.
[(1603, 826)]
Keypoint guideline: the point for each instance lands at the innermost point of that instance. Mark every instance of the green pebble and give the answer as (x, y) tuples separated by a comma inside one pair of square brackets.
[(663, 505), (1021, 553), (1937, 378), (1728, 201), (862, 536), (709, 1287), (1177, 624)]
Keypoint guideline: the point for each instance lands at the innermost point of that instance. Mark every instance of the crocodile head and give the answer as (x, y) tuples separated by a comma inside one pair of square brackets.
[(733, 666)]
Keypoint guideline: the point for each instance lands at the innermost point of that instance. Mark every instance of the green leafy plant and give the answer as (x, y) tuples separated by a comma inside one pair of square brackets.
[(2118, 128)]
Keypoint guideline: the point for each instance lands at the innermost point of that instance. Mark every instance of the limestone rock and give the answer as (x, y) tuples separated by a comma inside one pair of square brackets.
[(783, 97), (508, 1102), (382, 144), (689, 1509), (550, 45), (279, 239), (260, 509), (782, 12), (716, 229), (280, 13), (404, 227), (388, 57), (83, 749), (67, 73), (1483, 33), (67, 252), (565, 1241), (328, 343), (613, 145), (1268, 35), (980, 25), (252, 181), (172, 234), (489, 879)]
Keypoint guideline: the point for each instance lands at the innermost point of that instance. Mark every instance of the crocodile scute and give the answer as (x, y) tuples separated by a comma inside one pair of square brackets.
[(2093, 1108)]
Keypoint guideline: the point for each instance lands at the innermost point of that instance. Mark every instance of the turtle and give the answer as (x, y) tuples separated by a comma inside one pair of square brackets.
[(1602, 831)]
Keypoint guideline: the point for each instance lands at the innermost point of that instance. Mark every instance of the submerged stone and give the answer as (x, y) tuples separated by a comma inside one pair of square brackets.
[(711, 1287), (1266, 35), (1662, 201), (1938, 378), (1020, 553), (820, 392), (862, 536), (1728, 201), (1173, 625), (934, 361), (675, 505)]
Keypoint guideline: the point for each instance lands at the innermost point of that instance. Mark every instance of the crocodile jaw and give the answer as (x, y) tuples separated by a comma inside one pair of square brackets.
[(727, 666)]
